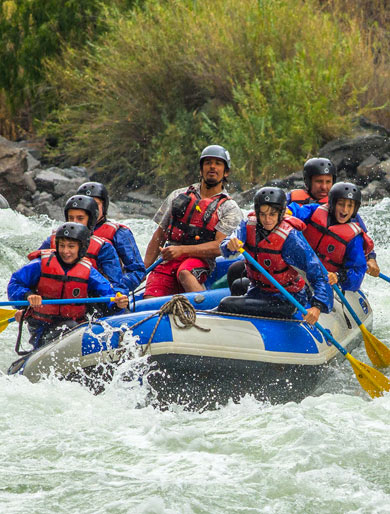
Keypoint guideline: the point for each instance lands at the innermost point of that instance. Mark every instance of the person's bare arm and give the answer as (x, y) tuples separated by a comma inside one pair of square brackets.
[(153, 249), (203, 250)]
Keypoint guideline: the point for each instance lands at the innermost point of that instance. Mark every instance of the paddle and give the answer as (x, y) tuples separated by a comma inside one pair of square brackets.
[(385, 277), (6, 317), (154, 265), (371, 380), (377, 351), (63, 301)]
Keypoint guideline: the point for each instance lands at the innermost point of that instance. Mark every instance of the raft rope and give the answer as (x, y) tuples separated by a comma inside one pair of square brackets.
[(19, 338), (182, 311), (237, 315), (181, 308)]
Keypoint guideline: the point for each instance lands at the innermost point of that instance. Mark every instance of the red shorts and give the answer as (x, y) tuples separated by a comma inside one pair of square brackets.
[(163, 280)]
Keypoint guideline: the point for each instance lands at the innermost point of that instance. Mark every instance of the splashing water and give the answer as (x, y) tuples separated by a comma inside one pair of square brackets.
[(66, 450)]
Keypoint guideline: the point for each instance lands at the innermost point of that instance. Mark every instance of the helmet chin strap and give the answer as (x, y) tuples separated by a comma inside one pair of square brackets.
[(209, 185), (261, 231), (265, 233)]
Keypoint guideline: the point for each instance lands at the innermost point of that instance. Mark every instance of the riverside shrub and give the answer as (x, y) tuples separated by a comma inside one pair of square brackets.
[(269, 79)]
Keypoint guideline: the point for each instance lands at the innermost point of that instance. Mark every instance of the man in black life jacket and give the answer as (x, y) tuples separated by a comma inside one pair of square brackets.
[(192, 222), (56, 274), (319, 175)]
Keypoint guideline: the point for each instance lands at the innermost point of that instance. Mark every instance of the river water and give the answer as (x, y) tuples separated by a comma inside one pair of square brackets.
[(65, 450)]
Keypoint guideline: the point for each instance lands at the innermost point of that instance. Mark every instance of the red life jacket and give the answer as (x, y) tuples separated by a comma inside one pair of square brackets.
[(269, 255), (330, 243), (302, 197), (194, 219), (368, 244), (94, 248), (108, 230), (54, 283)]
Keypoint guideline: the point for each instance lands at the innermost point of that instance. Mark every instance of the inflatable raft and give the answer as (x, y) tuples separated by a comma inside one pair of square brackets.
[(217, 356)]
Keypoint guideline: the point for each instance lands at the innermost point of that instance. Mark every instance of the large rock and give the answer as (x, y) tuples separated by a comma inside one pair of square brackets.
[(13, 164), (60, 182), (348, 153)]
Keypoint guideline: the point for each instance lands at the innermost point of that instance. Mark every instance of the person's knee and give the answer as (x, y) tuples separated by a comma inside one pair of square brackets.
[(236, 271), (240, 286), (184, 275)]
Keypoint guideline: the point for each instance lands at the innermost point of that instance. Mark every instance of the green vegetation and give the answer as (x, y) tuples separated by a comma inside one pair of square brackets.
[(30, 31), (33, 30), (272, 80)]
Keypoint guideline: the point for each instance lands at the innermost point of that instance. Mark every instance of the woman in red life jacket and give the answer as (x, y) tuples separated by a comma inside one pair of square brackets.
[(191, 223), (61, 273), (274, 240), (336, 239)]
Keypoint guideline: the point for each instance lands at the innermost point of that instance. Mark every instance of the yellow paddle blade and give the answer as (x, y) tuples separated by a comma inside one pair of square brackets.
[(3, 324), (371, 380), (377, 351), (7, 313)]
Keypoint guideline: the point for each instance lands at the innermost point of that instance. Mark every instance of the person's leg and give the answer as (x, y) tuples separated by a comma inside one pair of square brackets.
[(237, 280), (188, 282), (192, 273), (57, 331), (162, 281), (36, 330)]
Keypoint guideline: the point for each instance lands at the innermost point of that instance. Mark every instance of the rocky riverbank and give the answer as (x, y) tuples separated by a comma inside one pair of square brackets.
[(33, 189), (30, 188)]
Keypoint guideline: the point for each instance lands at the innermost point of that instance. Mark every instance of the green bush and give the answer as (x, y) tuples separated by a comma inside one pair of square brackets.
[(31, 30), (269, 79)]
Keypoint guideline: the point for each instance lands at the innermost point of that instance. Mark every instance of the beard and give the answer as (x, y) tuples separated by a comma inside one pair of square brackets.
[(211, 182)]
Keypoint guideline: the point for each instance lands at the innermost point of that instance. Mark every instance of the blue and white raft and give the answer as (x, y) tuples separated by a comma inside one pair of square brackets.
[(217, 357)]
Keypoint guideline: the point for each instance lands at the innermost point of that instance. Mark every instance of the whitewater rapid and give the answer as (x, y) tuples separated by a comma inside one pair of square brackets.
[(65, 450)]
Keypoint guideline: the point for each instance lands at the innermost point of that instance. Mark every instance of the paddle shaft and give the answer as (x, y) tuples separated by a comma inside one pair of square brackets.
[(66, 301), (341, 296), (381, 275), (63, 301), (293, 300), (154, 265)]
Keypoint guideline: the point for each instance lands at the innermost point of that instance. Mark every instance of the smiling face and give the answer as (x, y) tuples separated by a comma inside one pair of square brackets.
[(68, 250), (320, 186), (213, 170), (343, 210), (78, 216), (268, 217)]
